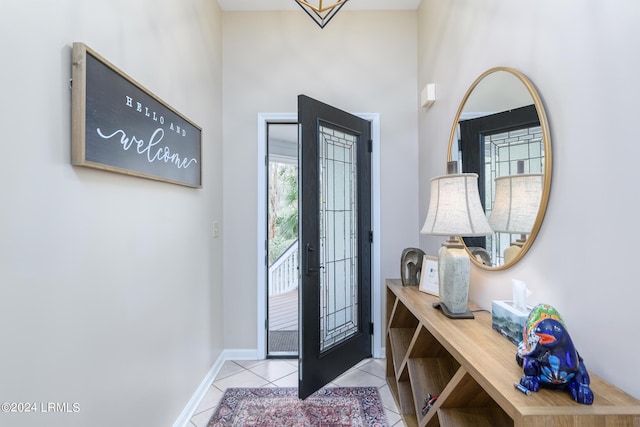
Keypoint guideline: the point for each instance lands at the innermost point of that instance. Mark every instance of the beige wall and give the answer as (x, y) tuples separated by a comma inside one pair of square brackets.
[(361, 62), (111, 285), (581, 56)]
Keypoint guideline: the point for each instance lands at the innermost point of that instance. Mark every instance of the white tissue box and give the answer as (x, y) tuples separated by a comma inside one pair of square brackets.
[(508, 320)]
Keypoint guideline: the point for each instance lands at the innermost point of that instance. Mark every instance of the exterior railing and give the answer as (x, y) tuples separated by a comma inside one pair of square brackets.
[(283, 273)]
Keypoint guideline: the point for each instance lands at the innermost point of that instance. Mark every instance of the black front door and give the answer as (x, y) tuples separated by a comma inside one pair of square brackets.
[(335, 244)]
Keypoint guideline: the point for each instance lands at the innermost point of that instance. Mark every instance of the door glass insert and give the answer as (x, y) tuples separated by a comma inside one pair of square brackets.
[(338, 236)]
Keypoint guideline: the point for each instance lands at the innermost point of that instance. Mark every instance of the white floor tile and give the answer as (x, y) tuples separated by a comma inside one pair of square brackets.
[(387, 399), (248, 364), (358, 378), (393, 418), (229, 368), (274, 370), (202, 419), (377, 367), (290, 380), (242, 379), (210, 400)]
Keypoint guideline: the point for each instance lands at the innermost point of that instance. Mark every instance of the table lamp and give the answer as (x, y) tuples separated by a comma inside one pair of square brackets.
[(515, 207), (455, 210)]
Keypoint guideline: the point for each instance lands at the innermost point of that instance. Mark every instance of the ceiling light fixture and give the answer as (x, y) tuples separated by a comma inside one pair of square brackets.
[(319, 13)]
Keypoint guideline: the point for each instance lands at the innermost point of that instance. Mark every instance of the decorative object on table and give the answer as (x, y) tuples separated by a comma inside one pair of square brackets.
[(455, 210), (410, 266), (318, 12), (549, 358), (429, 401), (508, 320), (271, 406), (516, 205), (480, 254), (429, 275), (509, 317)]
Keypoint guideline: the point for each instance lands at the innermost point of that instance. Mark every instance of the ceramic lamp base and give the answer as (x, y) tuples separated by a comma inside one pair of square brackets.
[(466, 315), (453, 275)]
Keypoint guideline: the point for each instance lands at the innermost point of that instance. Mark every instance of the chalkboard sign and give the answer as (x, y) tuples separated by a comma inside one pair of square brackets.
[(119, 126)]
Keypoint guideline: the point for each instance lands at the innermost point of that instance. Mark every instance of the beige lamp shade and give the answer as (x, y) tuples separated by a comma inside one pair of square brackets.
[(455, 208), (516, 203)]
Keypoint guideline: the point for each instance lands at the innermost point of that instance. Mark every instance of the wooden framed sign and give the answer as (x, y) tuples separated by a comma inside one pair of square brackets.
[(119, 126)]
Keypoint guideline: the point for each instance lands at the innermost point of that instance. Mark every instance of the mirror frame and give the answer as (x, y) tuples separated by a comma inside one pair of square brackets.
[(546, 135)]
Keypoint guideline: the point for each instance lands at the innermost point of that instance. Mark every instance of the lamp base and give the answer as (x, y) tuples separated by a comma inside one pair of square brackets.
[(453, 278), (466, 315)]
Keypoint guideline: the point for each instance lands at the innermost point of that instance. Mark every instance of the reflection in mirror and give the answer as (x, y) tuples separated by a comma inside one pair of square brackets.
[(501, 133)]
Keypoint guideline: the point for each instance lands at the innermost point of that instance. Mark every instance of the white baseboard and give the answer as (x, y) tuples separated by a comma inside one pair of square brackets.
[(189, 410), (380, 353), (241, 354)]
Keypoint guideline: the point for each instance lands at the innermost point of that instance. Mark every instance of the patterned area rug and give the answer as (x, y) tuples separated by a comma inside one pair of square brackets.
[(328, 407)]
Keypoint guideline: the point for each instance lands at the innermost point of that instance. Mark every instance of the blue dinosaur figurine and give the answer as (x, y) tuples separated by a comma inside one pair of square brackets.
[(549, 358)]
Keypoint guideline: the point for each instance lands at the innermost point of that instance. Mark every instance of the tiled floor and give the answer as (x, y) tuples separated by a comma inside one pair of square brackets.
[(284, 373)]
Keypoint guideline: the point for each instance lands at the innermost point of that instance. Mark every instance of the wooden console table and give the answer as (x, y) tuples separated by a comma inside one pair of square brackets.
[(472, 368)]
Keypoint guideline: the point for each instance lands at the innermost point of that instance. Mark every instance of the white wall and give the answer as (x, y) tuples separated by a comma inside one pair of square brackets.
[(110, 285), (360, 62), (581, 57)]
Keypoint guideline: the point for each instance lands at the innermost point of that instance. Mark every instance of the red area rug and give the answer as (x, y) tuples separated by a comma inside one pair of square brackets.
[(328, 407)]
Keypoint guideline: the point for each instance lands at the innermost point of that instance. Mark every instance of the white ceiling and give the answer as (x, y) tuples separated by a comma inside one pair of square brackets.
[(291, 4)]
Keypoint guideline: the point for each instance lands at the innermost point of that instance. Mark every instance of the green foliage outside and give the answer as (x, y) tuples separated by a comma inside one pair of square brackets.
[(283, 208)]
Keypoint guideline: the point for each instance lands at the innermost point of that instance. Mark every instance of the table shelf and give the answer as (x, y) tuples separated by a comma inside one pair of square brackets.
[(472, 368)]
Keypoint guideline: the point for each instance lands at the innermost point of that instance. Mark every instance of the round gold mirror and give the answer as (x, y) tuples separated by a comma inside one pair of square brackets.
[(501, 133)]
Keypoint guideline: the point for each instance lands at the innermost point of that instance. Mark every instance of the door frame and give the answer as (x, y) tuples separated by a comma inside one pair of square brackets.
[(376, 281)]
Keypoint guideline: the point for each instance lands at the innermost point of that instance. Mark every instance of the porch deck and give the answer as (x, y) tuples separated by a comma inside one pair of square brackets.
[(283, 311)]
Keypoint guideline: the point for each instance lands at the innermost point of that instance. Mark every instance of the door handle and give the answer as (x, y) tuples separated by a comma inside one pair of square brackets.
[(307, 259)]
